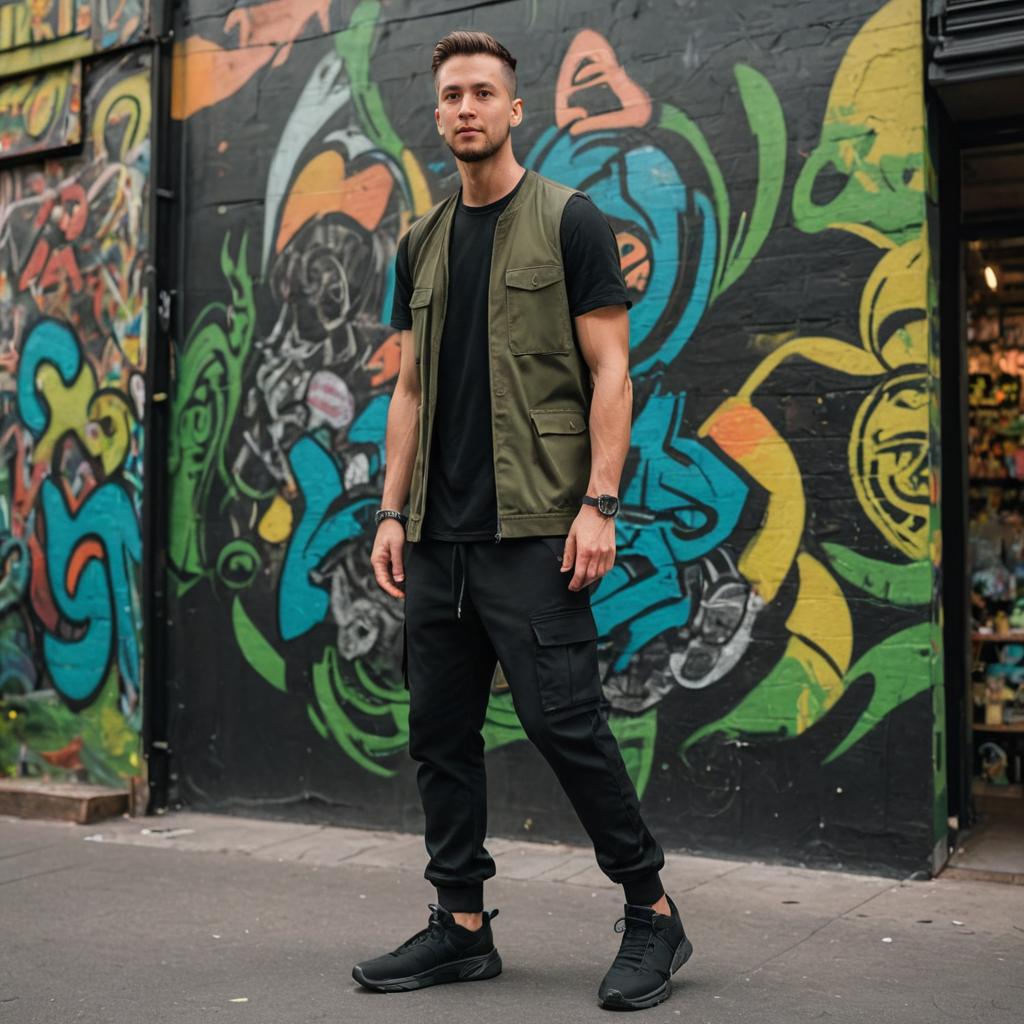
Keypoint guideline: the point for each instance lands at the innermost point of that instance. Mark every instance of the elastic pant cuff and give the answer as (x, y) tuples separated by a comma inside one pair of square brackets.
[(467, 899), (644, 891)]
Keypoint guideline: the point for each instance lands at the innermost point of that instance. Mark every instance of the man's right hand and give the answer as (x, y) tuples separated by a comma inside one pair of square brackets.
[(386, 558)]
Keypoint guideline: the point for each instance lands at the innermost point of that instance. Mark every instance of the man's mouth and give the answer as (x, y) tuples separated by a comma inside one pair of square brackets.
[(468, 131)]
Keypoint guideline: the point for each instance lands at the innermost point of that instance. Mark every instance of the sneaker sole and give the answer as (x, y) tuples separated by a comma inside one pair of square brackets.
[(474, 968), (617, 1001)]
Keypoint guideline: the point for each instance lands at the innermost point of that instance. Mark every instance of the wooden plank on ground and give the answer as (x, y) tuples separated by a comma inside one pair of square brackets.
[(67, 801)]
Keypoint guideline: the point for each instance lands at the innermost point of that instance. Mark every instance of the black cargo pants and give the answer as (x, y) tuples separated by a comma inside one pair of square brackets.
[(467, 605)]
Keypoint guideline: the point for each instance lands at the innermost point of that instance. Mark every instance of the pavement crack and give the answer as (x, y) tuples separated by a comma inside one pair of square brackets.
[(36, 874), (810, 935), (24, 853), (713, 878)]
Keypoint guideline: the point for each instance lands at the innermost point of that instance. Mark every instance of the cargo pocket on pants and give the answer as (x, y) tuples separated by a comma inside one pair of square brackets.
[(566, 658)]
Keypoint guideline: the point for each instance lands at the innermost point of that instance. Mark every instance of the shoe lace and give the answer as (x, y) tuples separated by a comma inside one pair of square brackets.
[(434, 929), (636, 938)]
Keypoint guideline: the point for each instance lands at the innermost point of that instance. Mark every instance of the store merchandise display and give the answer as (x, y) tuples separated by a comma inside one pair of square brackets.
[(996, 548)]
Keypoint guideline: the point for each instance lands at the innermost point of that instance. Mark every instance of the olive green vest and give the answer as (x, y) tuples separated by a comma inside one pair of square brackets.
[(540, 384)]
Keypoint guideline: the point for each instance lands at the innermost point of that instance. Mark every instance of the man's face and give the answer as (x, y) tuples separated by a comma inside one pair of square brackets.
[(475, 109)]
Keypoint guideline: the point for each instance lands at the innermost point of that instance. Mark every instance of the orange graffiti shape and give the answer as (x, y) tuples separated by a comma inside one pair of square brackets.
[(88, 549), (634, 261), (739, 430), (385, 360), (591, 62), (66, 757), (323, 188), (61, 268), (205, 73)]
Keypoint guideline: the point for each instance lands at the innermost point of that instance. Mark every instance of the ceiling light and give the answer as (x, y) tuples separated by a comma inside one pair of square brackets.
[(990, 277)]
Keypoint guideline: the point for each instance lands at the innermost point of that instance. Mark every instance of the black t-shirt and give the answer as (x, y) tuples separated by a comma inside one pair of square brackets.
[(461, 499)]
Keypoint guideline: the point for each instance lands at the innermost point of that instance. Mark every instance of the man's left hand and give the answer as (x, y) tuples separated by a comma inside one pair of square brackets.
[(591, 546)]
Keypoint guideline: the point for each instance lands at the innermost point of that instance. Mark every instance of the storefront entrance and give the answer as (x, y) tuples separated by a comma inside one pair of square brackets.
[(976, 129), (993, 841)]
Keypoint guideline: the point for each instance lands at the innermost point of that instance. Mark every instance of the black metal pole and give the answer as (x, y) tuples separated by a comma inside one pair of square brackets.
[(164, 244)]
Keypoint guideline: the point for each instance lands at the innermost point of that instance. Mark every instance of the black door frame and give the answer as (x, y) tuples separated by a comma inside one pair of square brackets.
[(946, 244)]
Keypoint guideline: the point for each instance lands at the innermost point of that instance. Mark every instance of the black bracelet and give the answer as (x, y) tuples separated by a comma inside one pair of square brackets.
[(388, 513)]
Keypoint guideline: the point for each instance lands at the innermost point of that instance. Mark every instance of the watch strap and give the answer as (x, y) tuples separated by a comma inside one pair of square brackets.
[(389, 513)]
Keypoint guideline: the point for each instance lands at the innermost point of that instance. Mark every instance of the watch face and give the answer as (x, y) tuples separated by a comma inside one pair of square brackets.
[(607, 505)]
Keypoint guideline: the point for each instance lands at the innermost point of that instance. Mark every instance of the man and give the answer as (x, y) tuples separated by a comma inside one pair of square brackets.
[(507, 431)]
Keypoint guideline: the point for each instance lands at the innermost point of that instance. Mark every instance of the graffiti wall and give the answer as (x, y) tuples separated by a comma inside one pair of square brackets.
[(770, 639), (74, 254)]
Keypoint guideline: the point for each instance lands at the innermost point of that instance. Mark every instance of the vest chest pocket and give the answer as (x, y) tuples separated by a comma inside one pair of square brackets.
[(538, 311), (419, 310)]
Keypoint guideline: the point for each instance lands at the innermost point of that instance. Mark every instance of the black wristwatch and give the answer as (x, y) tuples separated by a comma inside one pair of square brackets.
[(389, 513), (606, 504)]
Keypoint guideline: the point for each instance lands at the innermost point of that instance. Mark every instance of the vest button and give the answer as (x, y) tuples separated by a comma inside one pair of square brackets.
[(535, 278), (499, 391), (572, 424)]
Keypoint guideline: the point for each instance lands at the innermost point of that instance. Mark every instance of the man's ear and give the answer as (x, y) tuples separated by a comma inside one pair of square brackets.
[(517, 112), (437, 121)]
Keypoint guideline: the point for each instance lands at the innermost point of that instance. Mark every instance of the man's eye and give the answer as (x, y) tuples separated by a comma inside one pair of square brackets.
[(485, 92)]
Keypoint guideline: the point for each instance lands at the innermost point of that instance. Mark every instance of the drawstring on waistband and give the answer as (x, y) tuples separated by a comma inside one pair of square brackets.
[(459, 583)]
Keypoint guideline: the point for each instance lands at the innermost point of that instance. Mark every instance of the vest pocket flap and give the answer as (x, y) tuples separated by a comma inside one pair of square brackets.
[(569, 627), (531, 278), (558, 421), (420, 297)]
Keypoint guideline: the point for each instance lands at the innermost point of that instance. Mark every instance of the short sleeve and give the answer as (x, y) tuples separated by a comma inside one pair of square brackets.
[(590, 254), (401, 318)]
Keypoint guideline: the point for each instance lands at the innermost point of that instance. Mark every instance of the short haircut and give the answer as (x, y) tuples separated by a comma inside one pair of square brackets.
[(462, 43)]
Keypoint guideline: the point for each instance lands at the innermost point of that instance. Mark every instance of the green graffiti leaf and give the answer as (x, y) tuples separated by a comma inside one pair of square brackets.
[(355, 47), (674, 120), (256, 649), (768, 124), (902, 668), (384, 732), (770, 710), (203, 410), (317, 721), (905, 585), (880, 194)]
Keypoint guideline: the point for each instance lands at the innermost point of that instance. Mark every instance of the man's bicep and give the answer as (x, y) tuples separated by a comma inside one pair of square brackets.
[(408, 370), (603, 334)]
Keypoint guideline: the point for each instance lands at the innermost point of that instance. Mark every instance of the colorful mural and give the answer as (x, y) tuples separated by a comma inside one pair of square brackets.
[(773, 610), (73, 258)]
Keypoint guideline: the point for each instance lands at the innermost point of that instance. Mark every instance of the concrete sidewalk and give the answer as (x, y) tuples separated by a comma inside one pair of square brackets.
[(191, 918)]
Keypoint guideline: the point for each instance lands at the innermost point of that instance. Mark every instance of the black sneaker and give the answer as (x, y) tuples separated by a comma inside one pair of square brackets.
[(653, 947), (444, 951)]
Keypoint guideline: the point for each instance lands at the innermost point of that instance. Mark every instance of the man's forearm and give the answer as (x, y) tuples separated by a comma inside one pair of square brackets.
[(400, 444), (611, 410)]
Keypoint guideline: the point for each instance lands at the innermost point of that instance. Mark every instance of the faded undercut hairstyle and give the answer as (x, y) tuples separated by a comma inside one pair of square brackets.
[(462, 43)]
